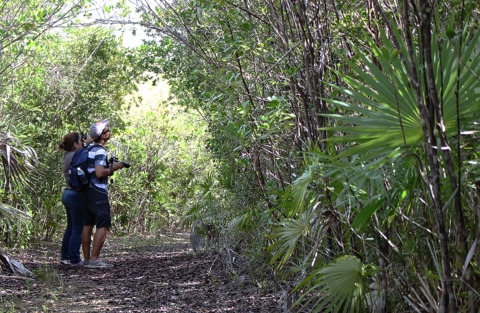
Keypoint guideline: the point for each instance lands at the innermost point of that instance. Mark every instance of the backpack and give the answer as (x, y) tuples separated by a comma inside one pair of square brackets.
[(78, 176)]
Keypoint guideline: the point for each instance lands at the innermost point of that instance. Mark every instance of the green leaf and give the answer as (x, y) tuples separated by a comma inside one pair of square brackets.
[(364, 216), (394, 55), (386, 119), (300, 185), (385, 53), (339, 284), (450, 32), (288, 236)]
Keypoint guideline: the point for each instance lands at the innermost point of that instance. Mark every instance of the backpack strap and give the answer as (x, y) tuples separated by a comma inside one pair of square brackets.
[(90, 147)]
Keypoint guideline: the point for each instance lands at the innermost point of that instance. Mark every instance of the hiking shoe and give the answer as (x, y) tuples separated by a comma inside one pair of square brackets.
[(65, 262), (85, 263), (98, 264), (79, 264)]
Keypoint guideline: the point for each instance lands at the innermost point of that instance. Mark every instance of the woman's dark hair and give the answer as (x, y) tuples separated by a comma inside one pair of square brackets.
[(69, 140)]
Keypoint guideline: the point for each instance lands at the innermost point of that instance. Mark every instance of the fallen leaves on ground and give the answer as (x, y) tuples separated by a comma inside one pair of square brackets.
[(148, 276)]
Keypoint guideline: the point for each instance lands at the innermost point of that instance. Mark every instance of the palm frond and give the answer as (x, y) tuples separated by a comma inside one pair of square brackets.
[(9, 213), (388, 115), (287, 237), (300, 188), (337, 287), (18, 161), (18, 168)]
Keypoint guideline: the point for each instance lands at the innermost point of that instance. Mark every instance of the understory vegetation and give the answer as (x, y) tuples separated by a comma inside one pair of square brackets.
[(334, 142)]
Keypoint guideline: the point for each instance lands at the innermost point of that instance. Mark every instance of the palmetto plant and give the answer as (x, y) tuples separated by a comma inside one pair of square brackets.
[(18, 164), (17, 167), (389, 120), (380, 178), (341, 285)]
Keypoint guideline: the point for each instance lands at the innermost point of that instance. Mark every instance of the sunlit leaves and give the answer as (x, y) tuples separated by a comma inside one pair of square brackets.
[(170, 169)]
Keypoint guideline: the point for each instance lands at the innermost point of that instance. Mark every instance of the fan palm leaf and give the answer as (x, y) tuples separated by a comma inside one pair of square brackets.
[(18, 165), (8, 213), (300, 189), (388, 116), (340, 286), (287, 237)]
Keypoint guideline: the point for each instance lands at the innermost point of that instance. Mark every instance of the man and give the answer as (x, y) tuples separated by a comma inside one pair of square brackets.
[(97, 210)]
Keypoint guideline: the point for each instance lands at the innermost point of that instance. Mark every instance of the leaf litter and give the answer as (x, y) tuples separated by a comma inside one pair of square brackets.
[(159, 274)]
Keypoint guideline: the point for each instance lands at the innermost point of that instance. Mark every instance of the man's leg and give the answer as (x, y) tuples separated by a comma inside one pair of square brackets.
[(86, 239), (98, 240), (88, 223)]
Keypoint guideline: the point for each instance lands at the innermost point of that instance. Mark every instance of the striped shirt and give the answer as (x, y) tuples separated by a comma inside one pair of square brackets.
[(97, 156)]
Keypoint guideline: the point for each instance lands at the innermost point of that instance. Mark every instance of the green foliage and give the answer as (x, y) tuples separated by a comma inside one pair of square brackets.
[(341, 285), (388, 120), (315, 127), (288, 237), (315, 144), (8, 213), (164, 146), (74, 79), (61, 83)]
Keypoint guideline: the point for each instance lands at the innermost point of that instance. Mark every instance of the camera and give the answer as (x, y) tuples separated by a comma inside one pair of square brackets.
[(115, 159)]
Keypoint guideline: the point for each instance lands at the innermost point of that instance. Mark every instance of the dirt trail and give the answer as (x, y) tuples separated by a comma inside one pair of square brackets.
[(149, 275)]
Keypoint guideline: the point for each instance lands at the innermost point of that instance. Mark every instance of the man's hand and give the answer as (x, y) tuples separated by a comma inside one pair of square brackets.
[(117, 165), (102, 172)]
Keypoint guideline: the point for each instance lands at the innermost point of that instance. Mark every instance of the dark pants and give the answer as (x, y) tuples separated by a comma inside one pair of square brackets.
[(73, 202)]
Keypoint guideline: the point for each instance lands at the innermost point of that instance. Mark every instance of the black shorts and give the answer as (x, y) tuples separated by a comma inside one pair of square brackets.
[(97, 208)]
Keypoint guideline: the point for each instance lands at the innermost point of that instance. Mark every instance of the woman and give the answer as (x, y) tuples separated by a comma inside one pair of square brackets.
[(73, 202)]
